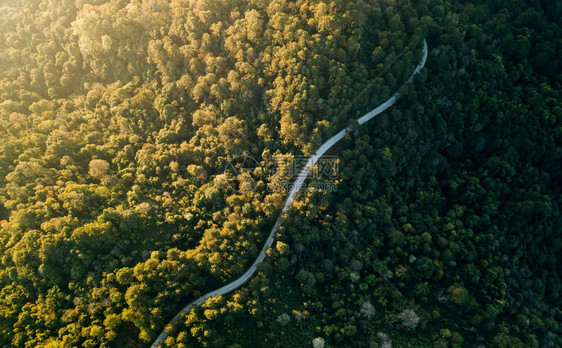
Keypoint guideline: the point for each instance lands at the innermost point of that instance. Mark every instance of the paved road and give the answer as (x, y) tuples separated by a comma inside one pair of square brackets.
[(297, 185)]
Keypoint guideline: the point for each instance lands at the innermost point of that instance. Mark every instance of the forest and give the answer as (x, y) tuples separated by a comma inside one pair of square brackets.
[(117, 119)]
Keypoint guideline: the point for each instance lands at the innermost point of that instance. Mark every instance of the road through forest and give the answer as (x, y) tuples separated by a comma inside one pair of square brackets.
[(297, 185)]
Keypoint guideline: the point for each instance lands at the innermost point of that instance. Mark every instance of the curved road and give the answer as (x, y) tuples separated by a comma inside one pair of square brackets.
[(297, 185)]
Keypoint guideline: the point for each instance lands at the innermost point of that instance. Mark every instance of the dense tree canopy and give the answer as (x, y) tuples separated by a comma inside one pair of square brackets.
[(118, 118)]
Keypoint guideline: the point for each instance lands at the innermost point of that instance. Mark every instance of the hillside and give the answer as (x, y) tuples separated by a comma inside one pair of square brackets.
[(119, 119)]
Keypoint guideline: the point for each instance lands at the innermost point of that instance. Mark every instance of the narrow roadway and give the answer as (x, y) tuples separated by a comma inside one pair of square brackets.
[(297, 185)]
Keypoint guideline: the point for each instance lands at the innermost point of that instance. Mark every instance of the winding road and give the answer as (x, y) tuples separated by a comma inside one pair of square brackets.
[(297, 185)]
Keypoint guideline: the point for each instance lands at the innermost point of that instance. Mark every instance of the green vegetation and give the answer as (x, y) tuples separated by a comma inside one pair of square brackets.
[(117, 119)]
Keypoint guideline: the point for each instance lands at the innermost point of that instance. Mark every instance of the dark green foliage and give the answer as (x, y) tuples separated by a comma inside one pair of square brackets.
[(117, 119)]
